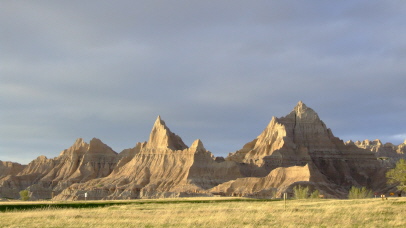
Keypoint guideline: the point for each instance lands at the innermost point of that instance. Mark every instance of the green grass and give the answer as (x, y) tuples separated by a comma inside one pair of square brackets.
[(211, 212)]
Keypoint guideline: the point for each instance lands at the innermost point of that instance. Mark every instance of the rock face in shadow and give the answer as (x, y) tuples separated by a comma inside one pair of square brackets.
[(278, 181), (295, 149)]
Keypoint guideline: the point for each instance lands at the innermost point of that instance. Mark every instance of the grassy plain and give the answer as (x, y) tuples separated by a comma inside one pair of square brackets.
[(212, 212)]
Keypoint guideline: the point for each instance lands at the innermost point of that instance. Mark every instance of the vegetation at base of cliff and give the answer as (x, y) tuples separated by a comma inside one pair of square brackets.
[(24, 195), (359, 193), (301, 192), (298, 213), (398, 175)]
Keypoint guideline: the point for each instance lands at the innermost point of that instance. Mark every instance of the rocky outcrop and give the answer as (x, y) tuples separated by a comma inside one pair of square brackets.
[(295, 149), (301, 138), (162, 138), (207, 172), (80, 163), (162, 167), (388, 154), (278, 181), (10, 168), (287, 141)]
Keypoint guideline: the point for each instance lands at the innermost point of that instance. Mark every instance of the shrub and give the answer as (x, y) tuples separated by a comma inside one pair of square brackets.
[(301, 192), (359, 193), (24, 194), (315, 194)]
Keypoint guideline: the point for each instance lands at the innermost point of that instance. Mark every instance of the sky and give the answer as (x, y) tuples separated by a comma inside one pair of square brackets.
[(213, 70)]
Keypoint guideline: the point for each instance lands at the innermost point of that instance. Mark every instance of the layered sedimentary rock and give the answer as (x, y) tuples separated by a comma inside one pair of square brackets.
[(162, 167), (278, 181), (295, 149), (10, 168), (80, 163), (387, 153), (301, 138)]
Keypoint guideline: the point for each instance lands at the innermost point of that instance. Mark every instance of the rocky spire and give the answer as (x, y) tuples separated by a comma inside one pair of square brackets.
[(198, 145), (79, 148), (302, 112), (301, 128), (162, 138)]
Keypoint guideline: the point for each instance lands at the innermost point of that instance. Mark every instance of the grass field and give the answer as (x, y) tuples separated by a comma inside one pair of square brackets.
[(210, 212)]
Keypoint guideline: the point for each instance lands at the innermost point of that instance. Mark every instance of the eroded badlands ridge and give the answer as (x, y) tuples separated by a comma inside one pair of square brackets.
[(295, 149)]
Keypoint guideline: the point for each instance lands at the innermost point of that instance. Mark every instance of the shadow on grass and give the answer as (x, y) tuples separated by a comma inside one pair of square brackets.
[(20, 206)]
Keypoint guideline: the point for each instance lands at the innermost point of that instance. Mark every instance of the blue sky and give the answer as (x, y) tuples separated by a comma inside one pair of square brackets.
[(214, 70)]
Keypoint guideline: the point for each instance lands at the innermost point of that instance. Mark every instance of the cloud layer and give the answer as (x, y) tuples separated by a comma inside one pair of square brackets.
[(214, 70)]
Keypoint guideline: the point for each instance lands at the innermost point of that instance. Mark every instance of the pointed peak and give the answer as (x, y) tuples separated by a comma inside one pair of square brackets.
[(97, 146), (162, 137), (301, 104), (96, 141), (301, 107), (303, 112), (79, 141), (159, 121), (272, 122), (80, 146), (198, 145)]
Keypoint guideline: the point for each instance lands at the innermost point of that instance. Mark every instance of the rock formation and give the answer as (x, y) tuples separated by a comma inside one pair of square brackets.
[(387, 153), (302, 139), (278, 181), (80, 163), (295, 149), (162, 167), (10, 168)]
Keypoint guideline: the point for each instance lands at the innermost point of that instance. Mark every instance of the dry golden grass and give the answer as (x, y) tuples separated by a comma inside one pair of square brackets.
[(298, 213)]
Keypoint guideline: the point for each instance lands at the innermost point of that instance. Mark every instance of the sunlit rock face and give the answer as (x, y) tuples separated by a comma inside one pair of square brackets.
[(295, 149), (388, 154), (80, 163), (301, 138), (162, 167), (10, 168)]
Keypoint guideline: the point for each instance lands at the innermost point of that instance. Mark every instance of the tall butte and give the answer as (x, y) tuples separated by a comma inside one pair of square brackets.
[(301, 138), (287, 140), (162, 138)]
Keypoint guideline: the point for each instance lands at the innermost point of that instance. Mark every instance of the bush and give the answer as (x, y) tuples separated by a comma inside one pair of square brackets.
[(301, 192), (359, 193), (315, 194), (24, 194)]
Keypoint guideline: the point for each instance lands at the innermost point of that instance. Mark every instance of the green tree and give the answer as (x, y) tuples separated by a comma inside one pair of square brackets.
[(359, 193), (24, 194), (301, 192), (398, 175)]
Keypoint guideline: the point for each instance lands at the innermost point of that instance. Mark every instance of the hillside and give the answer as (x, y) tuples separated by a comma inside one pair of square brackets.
[(295, 149)]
